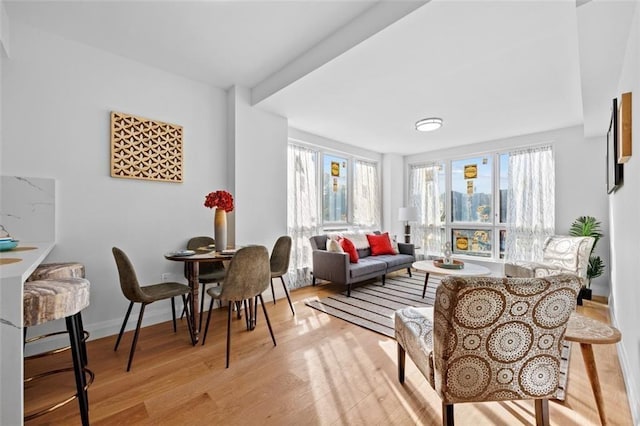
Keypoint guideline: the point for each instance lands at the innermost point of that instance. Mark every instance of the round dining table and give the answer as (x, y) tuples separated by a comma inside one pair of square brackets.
[(192, 260)]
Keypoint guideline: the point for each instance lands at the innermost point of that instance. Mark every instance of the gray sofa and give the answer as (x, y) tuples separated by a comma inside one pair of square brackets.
[(335, 267)]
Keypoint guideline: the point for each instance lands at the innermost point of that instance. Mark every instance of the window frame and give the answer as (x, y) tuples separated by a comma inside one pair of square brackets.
[(494, 226), (321, 152)]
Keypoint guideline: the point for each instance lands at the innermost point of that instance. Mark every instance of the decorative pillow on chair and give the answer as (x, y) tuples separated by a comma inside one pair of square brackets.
[(348, 247), (334, 246), (380, 244)]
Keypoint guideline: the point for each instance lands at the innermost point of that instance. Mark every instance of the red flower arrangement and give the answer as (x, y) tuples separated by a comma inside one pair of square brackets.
[(219, 199)]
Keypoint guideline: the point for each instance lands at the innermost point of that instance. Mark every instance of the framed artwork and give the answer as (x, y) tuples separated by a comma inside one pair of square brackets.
[(145, 149), (624, 128), (614, 169)]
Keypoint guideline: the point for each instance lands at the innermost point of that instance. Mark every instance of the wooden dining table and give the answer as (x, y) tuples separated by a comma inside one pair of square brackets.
[(192, 263)]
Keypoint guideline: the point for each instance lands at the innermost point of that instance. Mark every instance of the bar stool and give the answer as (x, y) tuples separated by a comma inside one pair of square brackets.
[(51, 271), (48, 300)]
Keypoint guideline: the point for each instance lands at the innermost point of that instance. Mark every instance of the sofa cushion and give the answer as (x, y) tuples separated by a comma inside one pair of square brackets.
[(394, 260), (380, 244), (366, 266), (350, 249)]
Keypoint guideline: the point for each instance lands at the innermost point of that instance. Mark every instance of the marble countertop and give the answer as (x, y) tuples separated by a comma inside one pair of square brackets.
[(31, 254)]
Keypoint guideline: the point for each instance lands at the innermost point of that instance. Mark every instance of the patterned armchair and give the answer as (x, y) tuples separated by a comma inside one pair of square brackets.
[(560, 254), (490, 339)]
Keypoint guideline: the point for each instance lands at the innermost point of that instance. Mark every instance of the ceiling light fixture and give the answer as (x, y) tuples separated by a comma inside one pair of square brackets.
[(428, 124)]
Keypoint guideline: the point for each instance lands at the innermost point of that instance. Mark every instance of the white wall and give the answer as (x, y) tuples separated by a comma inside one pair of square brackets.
[(260, 167), (56, 103), (580, 178), (394, 191), (624, 205)]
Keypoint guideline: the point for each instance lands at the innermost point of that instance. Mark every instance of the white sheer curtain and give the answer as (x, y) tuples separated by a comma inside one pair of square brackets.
[(366, 194), (530, 203), (302, 211), (424, 194)]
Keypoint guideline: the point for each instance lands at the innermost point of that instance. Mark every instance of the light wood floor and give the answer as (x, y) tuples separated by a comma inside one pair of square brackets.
[(323, 371)]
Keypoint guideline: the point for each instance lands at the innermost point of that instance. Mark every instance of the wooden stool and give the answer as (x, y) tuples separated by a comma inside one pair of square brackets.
[(48, 300), (588, 331)]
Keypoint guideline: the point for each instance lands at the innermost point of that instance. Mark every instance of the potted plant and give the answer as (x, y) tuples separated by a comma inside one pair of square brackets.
[(588, 226)]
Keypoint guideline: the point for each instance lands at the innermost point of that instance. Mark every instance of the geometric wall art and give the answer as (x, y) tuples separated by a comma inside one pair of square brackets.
[(145, 149)]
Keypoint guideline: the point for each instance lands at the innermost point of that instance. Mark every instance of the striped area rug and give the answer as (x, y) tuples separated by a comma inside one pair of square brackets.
[(373, 305)]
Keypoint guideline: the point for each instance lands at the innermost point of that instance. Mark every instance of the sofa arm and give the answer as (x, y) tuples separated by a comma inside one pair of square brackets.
[(331, 266), (407, 248)]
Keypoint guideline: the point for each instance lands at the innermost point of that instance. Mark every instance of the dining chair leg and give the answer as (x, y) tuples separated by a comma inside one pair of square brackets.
[(286, 291), (135, 336), (266, 316), (255, 311), (189, 325), (204, 288), (247, 315), (124, 323), (173, 314), (206, 329), (273, 293), (184, 308), (229, 331)]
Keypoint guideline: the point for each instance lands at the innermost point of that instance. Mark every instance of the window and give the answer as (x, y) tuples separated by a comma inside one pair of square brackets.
[(334, 190), (348, 192), (463, 201)]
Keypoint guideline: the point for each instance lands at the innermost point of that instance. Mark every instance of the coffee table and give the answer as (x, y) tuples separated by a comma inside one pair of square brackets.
[(469, 270)]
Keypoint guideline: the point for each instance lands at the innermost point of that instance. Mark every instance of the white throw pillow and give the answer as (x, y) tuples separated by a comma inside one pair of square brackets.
[(334, 246), (394, 244), (359, 240)]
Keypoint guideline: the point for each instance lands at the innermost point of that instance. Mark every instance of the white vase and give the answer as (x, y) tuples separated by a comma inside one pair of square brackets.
[(220, 229)]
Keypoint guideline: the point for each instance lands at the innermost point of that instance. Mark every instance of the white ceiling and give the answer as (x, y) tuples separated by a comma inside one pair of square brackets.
[(362, 72)]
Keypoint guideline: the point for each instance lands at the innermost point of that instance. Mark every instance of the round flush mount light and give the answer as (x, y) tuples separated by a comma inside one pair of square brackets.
[(428, 124)]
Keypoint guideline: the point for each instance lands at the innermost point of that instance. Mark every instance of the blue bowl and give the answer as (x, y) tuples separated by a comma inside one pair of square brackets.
[(8, 245)]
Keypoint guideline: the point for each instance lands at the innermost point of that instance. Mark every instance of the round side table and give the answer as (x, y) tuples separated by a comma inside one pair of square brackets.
[(588, 331)]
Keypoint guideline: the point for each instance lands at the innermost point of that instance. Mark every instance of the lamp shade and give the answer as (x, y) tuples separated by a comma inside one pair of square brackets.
[(407, 214)]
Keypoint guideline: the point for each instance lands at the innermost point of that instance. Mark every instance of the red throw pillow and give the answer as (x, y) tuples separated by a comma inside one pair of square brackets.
[(380, 244), (350, 249)]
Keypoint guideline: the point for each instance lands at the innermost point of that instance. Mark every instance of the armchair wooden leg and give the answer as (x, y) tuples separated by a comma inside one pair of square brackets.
[(409, 271), (401, 358), (542, 412), (447, 414)]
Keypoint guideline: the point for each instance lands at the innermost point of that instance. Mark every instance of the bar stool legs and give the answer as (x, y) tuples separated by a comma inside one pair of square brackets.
[(52, 299)]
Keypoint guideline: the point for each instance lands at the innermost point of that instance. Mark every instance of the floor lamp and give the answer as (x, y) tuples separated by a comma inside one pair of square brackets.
[(407, 214)]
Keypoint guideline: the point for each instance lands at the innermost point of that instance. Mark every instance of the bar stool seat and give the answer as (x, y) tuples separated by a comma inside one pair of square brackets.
[(52, 299), (52, 271)]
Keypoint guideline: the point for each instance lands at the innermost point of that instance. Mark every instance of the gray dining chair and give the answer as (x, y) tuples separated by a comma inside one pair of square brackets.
[(279, 263), (145, 295), (247, 277)]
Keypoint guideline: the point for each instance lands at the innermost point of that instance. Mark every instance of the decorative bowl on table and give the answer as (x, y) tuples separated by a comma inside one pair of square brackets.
[(8, 244), (455, 264)]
